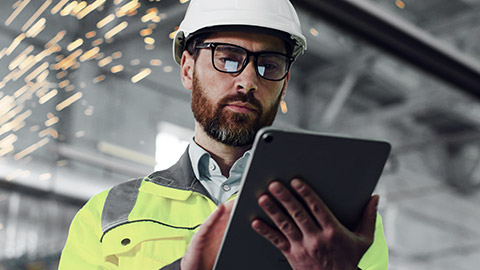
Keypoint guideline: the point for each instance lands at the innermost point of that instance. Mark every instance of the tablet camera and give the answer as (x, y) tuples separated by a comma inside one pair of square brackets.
[(267, 137)]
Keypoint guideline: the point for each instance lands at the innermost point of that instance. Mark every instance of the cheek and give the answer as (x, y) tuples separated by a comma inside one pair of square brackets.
[(212, 78), (273, 94)]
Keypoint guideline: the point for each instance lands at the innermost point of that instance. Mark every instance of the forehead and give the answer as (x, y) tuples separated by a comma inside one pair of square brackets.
[(250, 41)]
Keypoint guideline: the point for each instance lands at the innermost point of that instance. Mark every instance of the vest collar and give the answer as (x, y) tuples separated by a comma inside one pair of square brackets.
[(179, 176)]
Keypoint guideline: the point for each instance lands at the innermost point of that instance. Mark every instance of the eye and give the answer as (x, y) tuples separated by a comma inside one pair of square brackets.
[(269, 65)]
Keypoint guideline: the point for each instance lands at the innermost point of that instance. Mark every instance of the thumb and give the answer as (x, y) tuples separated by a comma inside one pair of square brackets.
[(367, 224)]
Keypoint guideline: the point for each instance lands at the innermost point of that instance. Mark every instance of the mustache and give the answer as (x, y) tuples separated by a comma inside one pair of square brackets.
[(242, 97)]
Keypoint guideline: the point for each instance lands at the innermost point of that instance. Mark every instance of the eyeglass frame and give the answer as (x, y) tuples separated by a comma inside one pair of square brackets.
[(213, 46)]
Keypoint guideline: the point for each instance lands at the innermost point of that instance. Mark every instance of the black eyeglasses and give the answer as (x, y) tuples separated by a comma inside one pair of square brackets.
[(230, 58)]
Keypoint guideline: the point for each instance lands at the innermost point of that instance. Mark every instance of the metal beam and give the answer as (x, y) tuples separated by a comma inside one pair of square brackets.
[(399, 38)]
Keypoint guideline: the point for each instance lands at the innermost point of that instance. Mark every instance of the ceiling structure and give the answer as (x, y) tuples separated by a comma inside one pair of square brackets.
[(86, 86)]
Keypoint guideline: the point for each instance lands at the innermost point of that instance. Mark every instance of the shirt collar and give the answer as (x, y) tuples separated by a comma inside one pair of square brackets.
[(197, 155), (200, 158)]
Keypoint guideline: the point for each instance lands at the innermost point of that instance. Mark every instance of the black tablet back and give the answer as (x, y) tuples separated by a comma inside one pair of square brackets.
[(344, 172)]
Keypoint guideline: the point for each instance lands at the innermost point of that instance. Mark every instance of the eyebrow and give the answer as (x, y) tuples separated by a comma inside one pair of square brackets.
[(283, 50)]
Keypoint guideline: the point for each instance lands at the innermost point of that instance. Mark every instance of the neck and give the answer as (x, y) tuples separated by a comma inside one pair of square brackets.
[(223, 154)]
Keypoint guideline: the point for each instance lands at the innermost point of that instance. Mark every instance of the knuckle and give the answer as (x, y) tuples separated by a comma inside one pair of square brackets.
[(299, 215), (315, 207), (285, 226), (280, 243), (330, 234), (317, 247)]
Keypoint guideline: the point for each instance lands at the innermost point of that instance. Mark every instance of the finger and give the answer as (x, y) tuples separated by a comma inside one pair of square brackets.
[(229, 206), (317, 207), (367, 224), (295, 209), (279, 218), (208, 224), (272, 235)]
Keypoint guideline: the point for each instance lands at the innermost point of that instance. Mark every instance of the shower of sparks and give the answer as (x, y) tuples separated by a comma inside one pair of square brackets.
[(69, 101), (31, 68), (173, 33), (31, 148), (156, 62), (75, 44), (135, 62), (16, 123), (68, 61), (97, 42), (151, 15), (45, 176), (48, 96), (117, 29), (36, 72), (146, 32), (78, 8), (105, 61), (98, 79), (127, 8), (117, 55), (67, 10), (70, 88), (36, 28), (117, 68), (15, 43), (21, 91), (105, 21), (90, 54), (52, 120), (48, 132), (36, 14), (149, 40), (91, 34), (58, 6), (400, 4), (93, 6), (61, 74), (6, 144), (16, 12), (20, 57), (63, 83), (141, 75), (59, 36)]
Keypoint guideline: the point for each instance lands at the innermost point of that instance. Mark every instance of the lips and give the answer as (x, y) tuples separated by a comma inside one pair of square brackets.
[(241, 107)]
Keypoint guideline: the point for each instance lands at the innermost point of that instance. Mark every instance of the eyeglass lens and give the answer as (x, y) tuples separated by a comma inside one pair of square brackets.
[(232, 59)]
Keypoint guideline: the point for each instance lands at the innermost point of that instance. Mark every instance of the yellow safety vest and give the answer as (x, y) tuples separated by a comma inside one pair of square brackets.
[(148, 223)]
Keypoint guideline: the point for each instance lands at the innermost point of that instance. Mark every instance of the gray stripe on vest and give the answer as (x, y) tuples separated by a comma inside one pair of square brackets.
[(119, 203)]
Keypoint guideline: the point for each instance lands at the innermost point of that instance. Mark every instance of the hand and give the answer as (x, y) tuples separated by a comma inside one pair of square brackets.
[(203, 248), (317, 240)]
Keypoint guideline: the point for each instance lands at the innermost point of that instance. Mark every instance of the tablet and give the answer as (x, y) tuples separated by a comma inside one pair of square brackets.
[(343, 171)]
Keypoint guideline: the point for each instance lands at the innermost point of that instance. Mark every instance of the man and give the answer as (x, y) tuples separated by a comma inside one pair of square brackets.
[(235, 57)]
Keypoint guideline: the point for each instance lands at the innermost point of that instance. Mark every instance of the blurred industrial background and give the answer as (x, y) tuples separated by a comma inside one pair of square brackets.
[(90, 97)]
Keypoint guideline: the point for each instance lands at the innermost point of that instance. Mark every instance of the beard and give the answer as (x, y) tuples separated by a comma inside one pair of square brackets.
[(230, 128)]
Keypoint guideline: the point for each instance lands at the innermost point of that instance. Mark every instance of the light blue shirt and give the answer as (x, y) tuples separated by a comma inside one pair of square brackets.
[(208, 172)]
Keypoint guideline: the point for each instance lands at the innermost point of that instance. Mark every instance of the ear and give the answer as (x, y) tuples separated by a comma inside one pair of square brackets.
[(187, 65), (284, 88)]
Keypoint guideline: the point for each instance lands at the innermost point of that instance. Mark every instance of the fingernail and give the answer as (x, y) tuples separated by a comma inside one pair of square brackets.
[(296, 184), (275, 187)]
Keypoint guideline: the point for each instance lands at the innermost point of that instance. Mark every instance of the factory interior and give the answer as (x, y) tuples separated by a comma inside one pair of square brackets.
[(90, 97)]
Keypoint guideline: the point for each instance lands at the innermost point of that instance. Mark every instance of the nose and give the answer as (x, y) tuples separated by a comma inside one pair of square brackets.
[(248, 79)]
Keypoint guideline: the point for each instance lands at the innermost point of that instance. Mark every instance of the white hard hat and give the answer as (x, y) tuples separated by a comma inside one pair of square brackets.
[(277, 15)]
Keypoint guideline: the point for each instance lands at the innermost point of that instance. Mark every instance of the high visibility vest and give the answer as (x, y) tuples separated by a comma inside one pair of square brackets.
[(148, 223)]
